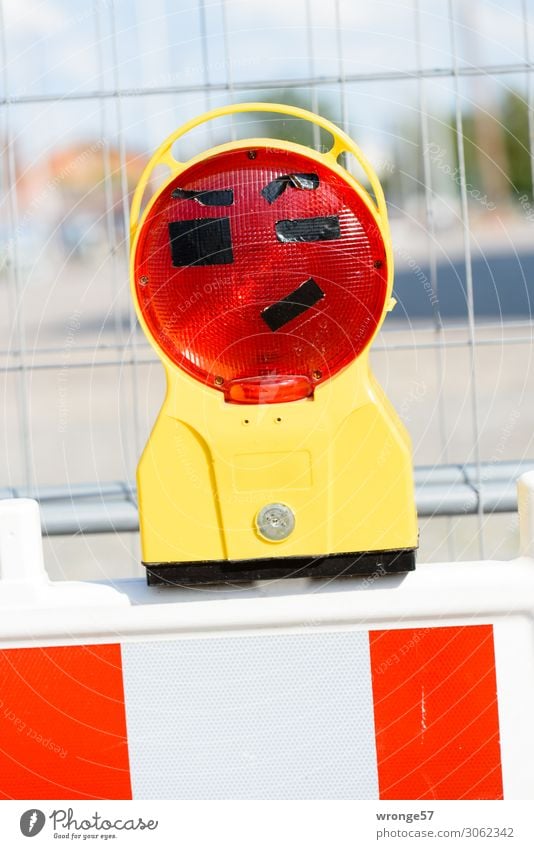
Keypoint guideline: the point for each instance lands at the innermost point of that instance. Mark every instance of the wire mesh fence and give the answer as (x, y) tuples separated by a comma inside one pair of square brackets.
[(438, 93)]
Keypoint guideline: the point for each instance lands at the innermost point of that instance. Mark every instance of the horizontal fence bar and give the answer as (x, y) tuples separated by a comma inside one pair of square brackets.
[(122, 363), (258, 85), (440, 491), (392, 327), (153, 358)]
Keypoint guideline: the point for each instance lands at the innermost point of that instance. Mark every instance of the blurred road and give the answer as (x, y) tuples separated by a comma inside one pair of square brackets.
[(503, 288)]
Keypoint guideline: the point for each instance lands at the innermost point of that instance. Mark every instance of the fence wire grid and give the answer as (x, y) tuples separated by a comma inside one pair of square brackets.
[(438, 93)]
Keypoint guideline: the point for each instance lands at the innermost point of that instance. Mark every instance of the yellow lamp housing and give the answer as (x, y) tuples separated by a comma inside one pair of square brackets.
[(261, 271)]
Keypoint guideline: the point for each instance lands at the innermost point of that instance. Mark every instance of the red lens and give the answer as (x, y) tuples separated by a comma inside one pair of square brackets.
[(263, 266), (268, 390)]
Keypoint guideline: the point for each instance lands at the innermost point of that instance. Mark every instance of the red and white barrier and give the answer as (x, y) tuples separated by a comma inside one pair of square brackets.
[(393, 687)]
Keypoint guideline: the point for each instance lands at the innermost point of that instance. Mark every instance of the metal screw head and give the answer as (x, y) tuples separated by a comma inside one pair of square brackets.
[(219, 380), (275, 522), (143, 280), (252, 154), (317, 375)]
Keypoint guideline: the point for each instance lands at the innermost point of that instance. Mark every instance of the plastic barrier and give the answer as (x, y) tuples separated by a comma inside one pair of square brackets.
[(418, 686)]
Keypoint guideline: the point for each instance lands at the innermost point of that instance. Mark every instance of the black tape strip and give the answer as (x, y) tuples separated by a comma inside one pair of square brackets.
[(276, 187), (208, 197), (308, 229), (304, 297), (201, 241)]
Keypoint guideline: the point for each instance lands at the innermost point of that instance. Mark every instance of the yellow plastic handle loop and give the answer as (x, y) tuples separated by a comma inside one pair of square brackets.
[(342, 144)]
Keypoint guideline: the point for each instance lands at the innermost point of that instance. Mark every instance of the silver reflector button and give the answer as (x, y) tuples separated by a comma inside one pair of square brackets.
[(275, 522)]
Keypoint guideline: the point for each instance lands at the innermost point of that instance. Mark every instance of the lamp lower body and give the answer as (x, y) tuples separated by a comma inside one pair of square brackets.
[(371, 563)]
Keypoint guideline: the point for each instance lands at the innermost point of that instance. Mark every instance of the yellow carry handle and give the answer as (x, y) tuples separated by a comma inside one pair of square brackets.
[(342, 144)]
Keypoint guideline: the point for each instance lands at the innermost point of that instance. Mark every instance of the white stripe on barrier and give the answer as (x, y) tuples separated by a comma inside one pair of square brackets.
[(243, 717)]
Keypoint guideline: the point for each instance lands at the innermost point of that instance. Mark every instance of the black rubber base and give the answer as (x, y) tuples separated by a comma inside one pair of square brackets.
[(325, 566)]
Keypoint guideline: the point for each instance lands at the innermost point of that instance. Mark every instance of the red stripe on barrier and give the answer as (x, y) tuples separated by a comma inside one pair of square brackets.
[(436, 717), (63, 724)]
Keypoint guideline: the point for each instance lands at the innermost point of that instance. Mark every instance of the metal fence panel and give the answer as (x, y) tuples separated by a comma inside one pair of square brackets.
[(439, 94)]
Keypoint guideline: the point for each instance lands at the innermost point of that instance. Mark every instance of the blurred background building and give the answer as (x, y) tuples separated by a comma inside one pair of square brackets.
[(438, 93)]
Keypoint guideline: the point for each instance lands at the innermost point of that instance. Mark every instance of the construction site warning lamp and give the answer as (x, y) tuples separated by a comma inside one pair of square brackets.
[(261, 271)]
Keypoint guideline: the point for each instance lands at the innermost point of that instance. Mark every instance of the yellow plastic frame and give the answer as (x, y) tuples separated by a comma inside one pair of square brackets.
[(209, 467)]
